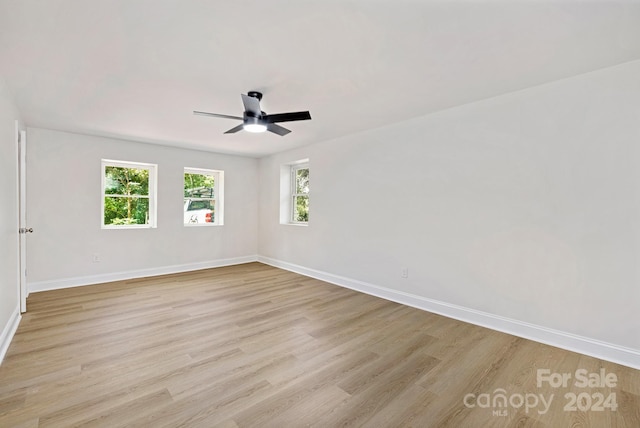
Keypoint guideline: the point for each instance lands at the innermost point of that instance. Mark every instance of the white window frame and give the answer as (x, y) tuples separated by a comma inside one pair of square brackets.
[(152, 196), (294, 170), (287, 192), (218, 192)]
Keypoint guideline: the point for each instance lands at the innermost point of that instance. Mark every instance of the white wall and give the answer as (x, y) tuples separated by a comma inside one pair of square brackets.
[(63, 180), (9, 303), (524, 206)]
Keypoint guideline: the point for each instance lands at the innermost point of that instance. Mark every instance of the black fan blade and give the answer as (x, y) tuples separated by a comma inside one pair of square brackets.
[(251, 105), (236, 129), (277, 129), (287, 117), (224, 116)]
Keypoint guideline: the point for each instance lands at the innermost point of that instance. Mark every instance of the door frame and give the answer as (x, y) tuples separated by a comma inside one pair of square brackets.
[(21, 141)]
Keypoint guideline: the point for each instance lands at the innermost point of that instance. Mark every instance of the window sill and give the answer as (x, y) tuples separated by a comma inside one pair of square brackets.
[(295, 224), (123, 227)]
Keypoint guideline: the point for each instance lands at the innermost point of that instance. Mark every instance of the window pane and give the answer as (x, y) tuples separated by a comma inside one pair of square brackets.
[(207, 204), (126, 181), (199, 211), (125, 210), (202, 196), (198, 185), (302, 180), (300, 208)]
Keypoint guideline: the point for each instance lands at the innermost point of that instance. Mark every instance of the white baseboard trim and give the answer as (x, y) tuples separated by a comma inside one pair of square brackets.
[(8, 331), (583, 345), (56, 284)]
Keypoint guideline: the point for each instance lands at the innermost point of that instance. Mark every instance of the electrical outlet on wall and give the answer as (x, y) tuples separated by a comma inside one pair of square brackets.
[(404, 272), (96, 258)]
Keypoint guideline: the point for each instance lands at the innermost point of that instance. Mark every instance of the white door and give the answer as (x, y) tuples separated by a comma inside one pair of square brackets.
[(21, 136)]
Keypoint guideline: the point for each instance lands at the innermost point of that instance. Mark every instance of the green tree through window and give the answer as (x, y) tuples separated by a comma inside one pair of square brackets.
[(300, 186), (126, 196), (199, 184)]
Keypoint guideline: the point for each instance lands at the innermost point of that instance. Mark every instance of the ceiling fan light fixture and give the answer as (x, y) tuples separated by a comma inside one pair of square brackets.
[(253, 124), (254, 127)]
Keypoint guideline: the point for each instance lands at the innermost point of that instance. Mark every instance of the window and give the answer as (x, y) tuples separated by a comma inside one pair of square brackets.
[(300, 193), (203, 192), (294, 193), (128, 194)]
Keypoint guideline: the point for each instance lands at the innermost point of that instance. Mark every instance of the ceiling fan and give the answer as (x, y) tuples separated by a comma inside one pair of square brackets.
[(255, 120)]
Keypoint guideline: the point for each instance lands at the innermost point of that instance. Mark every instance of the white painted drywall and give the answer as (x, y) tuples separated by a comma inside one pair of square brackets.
[(525, 206), (63, 177), (9, 295)]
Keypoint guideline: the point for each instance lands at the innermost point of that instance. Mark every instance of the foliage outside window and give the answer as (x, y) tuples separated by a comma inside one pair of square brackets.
[(300, 193), (128, 194), (202, 197)]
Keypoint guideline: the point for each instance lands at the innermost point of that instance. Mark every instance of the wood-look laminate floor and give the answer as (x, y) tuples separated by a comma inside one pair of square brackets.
[(255, 346)]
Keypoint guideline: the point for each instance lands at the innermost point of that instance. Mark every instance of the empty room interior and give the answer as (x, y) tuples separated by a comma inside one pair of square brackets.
[(343, 213)]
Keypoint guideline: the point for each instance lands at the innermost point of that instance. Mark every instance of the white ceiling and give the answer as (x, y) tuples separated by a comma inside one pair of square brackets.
[(135, 69)]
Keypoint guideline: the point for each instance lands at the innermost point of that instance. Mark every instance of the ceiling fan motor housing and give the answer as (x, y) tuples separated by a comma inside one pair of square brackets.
[(249, 119)]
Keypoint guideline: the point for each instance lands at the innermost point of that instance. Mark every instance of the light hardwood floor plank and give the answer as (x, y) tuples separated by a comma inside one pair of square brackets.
[(256, 346)]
